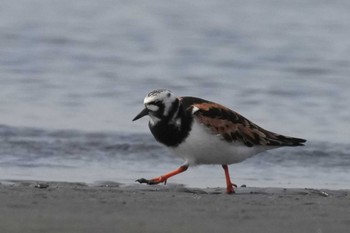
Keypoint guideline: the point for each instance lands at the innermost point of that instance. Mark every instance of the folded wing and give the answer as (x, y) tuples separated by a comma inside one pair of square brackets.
[(233, 127)]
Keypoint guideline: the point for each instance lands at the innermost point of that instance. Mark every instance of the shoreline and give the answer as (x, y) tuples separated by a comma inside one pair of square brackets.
[(39, 206)]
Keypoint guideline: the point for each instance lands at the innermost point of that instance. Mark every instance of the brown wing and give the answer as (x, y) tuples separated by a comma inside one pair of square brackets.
[(234, 127)]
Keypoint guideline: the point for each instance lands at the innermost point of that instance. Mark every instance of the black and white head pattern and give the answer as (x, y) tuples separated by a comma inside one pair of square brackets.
[(162, 105)]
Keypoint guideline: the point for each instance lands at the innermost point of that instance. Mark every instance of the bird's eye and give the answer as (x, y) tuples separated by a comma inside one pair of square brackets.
[(157, 103)]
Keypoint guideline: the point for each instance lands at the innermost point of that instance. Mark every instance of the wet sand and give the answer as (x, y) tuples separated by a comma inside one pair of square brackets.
[(32, 206)]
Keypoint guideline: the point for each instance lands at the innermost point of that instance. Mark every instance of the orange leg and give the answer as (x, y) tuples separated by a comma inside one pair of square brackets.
[(229, 184), (163, 178)]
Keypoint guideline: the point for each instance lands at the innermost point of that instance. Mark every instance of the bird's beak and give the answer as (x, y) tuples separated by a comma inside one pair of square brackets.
[(143, 113)]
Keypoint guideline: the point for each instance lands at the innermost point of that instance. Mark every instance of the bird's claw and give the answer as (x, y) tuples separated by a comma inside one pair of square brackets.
[(231, 189), (152, 181), (145, 181)]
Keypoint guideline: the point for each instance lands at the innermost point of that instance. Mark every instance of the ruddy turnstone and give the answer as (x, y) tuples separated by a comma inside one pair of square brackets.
[(204, 132)]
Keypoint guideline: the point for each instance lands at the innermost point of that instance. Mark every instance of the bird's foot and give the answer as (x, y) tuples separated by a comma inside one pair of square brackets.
[(157, 180), (230, 189)]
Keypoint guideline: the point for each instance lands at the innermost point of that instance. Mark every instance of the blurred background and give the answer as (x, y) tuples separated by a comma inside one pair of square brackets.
[(74, 73)]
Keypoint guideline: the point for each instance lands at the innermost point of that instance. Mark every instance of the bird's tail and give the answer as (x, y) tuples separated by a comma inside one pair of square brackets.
[(282, 140)]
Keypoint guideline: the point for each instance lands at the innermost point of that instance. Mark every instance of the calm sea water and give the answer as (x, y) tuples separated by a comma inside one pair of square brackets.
[(74, 73)]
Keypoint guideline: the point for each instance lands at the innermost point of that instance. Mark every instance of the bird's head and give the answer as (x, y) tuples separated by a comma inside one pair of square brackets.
[(159, 105)]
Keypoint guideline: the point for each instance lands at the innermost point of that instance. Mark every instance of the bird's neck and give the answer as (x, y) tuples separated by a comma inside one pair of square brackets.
[(174, 129)]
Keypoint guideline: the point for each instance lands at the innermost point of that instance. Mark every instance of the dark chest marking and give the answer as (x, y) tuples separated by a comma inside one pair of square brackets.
[(170, 133)]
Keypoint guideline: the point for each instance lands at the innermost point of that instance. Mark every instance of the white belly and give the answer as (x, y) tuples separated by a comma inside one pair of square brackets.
[(203, 147)]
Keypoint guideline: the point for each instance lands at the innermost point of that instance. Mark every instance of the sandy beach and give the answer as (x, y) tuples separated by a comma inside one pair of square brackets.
[(33, 206)]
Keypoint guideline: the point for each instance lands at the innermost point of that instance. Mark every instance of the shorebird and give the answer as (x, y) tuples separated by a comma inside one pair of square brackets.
[(204, 132)]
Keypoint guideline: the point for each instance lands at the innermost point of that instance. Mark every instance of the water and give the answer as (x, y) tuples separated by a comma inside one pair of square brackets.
[(74, 73)]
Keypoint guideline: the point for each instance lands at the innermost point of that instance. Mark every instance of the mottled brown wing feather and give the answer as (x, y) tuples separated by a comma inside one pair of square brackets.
[(234, 127)]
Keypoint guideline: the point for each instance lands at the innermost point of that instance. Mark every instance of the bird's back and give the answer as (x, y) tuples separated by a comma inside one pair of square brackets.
[(232, 126)]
